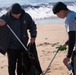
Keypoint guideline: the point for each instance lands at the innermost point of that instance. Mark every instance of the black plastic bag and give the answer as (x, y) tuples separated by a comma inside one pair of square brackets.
[(31, 64)]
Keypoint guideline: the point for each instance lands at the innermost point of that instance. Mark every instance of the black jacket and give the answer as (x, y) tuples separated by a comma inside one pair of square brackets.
[(26, 24)]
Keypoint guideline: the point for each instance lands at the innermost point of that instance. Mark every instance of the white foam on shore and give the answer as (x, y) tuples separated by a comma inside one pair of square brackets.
[(40, 11)]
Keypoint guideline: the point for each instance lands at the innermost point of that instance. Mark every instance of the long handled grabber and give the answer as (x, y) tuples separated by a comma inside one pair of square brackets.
[(17, 37), (59, 48)]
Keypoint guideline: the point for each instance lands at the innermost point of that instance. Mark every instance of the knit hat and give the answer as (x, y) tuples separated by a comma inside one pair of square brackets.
[(16, 8), (59, 6)]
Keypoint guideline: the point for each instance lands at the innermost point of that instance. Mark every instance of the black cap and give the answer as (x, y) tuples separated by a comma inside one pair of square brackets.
[(16, 8), (59, 6)]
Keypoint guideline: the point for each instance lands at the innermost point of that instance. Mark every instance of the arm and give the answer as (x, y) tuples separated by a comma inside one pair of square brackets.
[(32, 29), (65, 44), (71, 43)]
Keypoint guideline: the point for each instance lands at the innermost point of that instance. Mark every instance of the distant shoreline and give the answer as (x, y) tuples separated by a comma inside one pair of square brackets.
[(50, 21)]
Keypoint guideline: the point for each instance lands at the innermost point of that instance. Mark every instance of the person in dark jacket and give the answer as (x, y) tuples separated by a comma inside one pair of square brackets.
[(20, 22), (62, 11)]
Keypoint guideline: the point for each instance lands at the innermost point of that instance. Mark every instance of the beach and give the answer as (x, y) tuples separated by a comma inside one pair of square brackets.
[(51, 33), (49, 37)]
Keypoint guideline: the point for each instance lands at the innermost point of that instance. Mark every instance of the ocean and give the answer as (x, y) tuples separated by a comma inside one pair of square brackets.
[(40, 10)]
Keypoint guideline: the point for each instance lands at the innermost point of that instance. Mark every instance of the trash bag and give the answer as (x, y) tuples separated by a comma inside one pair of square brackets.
[(26, 63), (31, 64)]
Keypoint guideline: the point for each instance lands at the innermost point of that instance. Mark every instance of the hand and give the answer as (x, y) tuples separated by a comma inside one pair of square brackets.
[(63, 46), (66, 60), (2, 22), (32, 40)]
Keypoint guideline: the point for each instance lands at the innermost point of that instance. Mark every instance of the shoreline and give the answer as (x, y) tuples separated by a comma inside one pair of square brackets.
[(50, 21)]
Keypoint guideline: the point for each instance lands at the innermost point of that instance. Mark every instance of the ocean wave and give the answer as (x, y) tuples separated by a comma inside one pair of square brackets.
[(40, 10)]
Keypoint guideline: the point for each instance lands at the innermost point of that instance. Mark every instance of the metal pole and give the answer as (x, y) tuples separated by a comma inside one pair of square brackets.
[(17, 37), (59, 48), (49, 64)]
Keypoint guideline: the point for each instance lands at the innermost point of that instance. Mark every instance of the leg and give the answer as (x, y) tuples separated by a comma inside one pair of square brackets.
[(74, 63), (11, 61), (19, 63)]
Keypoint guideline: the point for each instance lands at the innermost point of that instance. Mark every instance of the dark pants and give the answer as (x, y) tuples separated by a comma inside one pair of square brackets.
[(14, 61), (73, 60)]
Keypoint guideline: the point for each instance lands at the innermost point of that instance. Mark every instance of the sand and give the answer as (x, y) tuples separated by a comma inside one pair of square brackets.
[(48, 39)]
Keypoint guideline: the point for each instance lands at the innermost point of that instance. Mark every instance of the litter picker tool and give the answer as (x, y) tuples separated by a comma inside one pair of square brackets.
[(17, 37), (59, 48)]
